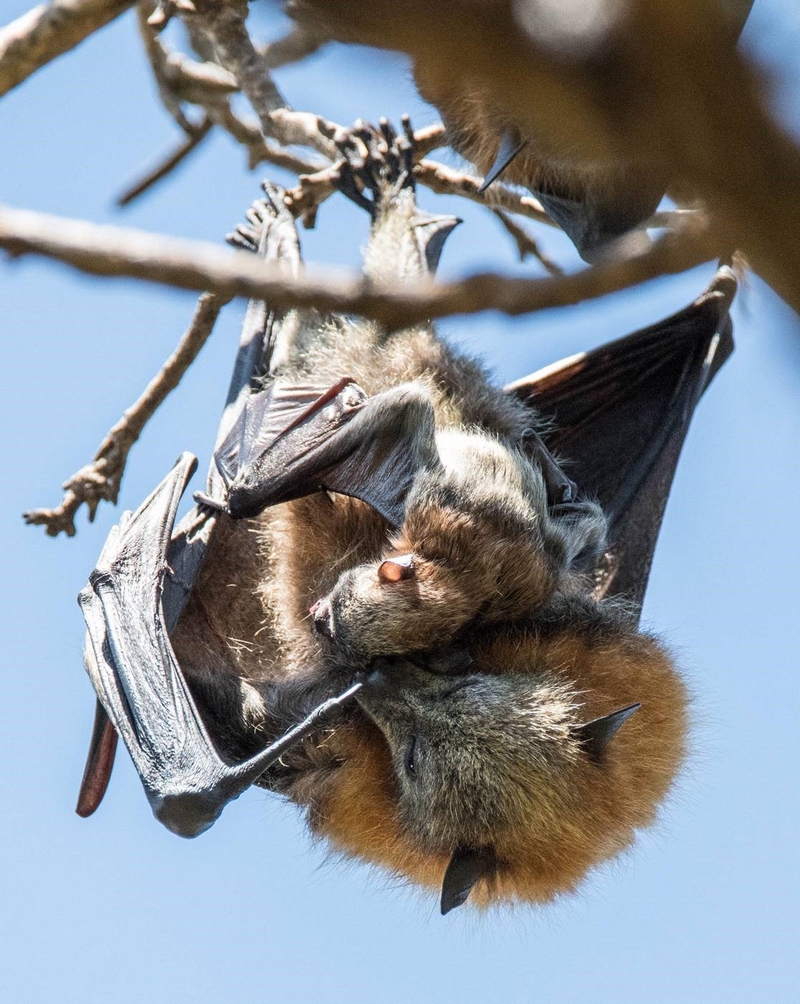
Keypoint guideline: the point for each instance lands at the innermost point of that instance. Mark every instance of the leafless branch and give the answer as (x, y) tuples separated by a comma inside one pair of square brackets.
[(167, 165), (103, 250), (50, 30), (100, 480), (429, 138), (447, 181), (298, 43), (526, 243), (223, 22), (208, 85)]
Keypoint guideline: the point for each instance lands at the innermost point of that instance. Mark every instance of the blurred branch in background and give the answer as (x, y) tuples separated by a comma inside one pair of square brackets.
[(653, 90), (50, 30), (116, 251)]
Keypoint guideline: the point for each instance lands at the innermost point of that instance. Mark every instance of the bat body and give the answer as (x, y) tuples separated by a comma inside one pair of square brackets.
[(469, 62), (386, 494)]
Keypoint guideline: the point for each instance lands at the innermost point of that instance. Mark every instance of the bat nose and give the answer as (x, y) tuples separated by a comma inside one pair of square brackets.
[(322, 618)]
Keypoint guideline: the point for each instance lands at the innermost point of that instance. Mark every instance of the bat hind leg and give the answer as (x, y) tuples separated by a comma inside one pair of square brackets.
[(377, 174)]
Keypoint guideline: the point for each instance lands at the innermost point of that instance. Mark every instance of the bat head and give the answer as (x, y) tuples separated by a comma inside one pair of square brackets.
[(400, 604), (470, 752), (454, 567), (516, 777)]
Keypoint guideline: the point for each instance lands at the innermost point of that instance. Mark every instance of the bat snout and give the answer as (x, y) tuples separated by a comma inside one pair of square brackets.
[(322, 618)]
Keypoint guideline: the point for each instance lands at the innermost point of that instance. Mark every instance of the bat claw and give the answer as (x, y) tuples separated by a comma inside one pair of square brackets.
[(376, 161)]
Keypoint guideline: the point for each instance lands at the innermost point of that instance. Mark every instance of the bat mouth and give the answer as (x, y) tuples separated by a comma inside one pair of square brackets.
[(322, 619)]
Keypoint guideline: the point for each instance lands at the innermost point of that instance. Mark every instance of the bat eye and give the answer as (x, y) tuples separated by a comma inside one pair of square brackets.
[(410, 761), (396, 569)]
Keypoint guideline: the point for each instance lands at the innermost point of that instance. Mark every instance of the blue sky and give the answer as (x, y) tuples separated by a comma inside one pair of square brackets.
[(116, 908)]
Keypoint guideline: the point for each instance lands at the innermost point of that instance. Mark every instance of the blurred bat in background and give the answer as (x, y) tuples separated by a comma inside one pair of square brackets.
[(596, 202), (459, 688)]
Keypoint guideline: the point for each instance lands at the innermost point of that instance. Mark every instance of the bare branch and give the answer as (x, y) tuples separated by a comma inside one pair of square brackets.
[(116, 251), (526, 244), (298, 43), (167, 165), (100, 480), (248, 133), (429, 138), (223, 21), (50, 30), (219, 26), (447, 181), (180, 79)]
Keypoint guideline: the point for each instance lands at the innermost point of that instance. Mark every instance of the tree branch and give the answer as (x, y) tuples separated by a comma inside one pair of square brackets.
[(100, 480), (298, 43), (50, 30), (166, 165), (446, 181), (526, 244), (113, 251)]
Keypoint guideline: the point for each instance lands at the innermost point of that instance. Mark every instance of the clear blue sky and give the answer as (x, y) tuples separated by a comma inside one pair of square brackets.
[(703, 910)]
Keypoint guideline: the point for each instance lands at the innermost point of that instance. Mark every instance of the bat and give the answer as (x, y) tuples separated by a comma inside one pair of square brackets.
[(494, 764), (597, 202)]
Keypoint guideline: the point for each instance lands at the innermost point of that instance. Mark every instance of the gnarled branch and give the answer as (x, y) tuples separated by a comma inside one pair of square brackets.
[(100, 480), (50, 30), (113, 251)]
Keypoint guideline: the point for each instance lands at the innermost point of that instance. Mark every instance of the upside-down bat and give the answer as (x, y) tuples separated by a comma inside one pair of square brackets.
[(500, 751), (464, 59)]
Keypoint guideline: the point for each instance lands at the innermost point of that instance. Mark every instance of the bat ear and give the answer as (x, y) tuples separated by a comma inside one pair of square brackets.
[(466, 867), (510, 146), (397, 569), (598, 733)]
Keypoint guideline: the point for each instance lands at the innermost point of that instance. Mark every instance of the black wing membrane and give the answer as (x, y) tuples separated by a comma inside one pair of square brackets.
[(130, 613), (140, 684), (620, 416), (343, 441)]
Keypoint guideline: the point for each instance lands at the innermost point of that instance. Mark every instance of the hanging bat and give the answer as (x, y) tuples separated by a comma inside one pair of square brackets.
[(458, 68), (495, 760)]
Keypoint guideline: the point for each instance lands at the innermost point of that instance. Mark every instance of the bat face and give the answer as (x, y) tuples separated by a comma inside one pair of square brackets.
[(400, 604), (498, 760), (469, 753), (480, 543)]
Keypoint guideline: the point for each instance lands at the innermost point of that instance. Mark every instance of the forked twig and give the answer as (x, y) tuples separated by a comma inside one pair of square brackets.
[(100, 480)]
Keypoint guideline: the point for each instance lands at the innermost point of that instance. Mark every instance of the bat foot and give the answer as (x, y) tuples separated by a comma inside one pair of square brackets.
[(377, 162), (270, 230)]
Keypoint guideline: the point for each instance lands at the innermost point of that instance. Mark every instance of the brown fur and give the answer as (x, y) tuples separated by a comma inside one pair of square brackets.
[(476, 65), (582, 813)]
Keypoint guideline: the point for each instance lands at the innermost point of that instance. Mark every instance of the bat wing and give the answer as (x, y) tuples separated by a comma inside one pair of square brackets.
[(621, 414), (271, 234), (139, 682), (335, 439)]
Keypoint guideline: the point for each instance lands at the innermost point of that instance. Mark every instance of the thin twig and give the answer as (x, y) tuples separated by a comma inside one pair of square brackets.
[(223, 21), (180, 79), (447, 181), (298, 43), (50, 30), (167, 165), (100, 480), (208, 85), (526, 244), (116, 251), (429, 138)]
